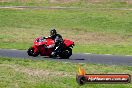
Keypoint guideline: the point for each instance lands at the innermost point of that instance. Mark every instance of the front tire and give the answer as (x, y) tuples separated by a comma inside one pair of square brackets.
[(66, 53), (32, 53)]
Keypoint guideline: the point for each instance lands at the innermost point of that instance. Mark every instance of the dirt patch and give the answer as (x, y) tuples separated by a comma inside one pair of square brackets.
[(17, 0), (39, 72), (79, 37), (91, 1), (7, 0), (62, 1), (42, 73), (128, 1), (98, 1), (68, 1), (82, 37)]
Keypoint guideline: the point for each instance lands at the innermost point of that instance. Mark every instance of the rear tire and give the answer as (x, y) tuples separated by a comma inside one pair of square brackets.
[(31, 52), (66, 53)]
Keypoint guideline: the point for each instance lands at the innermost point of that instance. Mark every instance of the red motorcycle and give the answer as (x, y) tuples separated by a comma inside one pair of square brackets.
[(42, 44)]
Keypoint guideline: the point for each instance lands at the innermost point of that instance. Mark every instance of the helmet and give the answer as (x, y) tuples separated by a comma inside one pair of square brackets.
[(53, 32)]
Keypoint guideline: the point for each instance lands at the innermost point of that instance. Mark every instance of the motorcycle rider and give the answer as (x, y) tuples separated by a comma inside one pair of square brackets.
[(58, 41)]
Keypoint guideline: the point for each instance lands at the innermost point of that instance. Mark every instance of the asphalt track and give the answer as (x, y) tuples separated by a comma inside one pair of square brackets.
[(77, 58)]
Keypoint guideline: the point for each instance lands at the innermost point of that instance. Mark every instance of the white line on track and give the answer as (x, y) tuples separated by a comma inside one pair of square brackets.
[(107, 54)]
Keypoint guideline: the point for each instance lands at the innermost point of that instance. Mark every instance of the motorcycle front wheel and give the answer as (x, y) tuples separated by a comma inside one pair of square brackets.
[(31, 52)]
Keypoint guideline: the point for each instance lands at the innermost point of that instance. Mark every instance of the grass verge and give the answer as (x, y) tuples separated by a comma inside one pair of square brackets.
[(93, 31), (70, 3), (31, 73)]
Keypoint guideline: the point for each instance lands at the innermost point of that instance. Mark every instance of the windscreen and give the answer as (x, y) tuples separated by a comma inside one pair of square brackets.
[(41, 39)]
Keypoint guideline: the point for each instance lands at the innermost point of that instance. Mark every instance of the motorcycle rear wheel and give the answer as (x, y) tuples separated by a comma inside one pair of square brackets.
[(66, 53)]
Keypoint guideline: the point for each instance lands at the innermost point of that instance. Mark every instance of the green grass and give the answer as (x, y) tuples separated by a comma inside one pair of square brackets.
[(93, 31), (104, 49), (81, 3), (23, 73), (98, 20)]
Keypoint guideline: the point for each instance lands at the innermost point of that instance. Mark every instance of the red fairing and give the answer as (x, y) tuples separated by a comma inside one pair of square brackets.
[(68, 43), (49, 42), (42, 45), (37, 41)]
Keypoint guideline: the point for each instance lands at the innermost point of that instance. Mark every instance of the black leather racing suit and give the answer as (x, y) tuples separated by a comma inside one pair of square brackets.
[(58, 42)]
